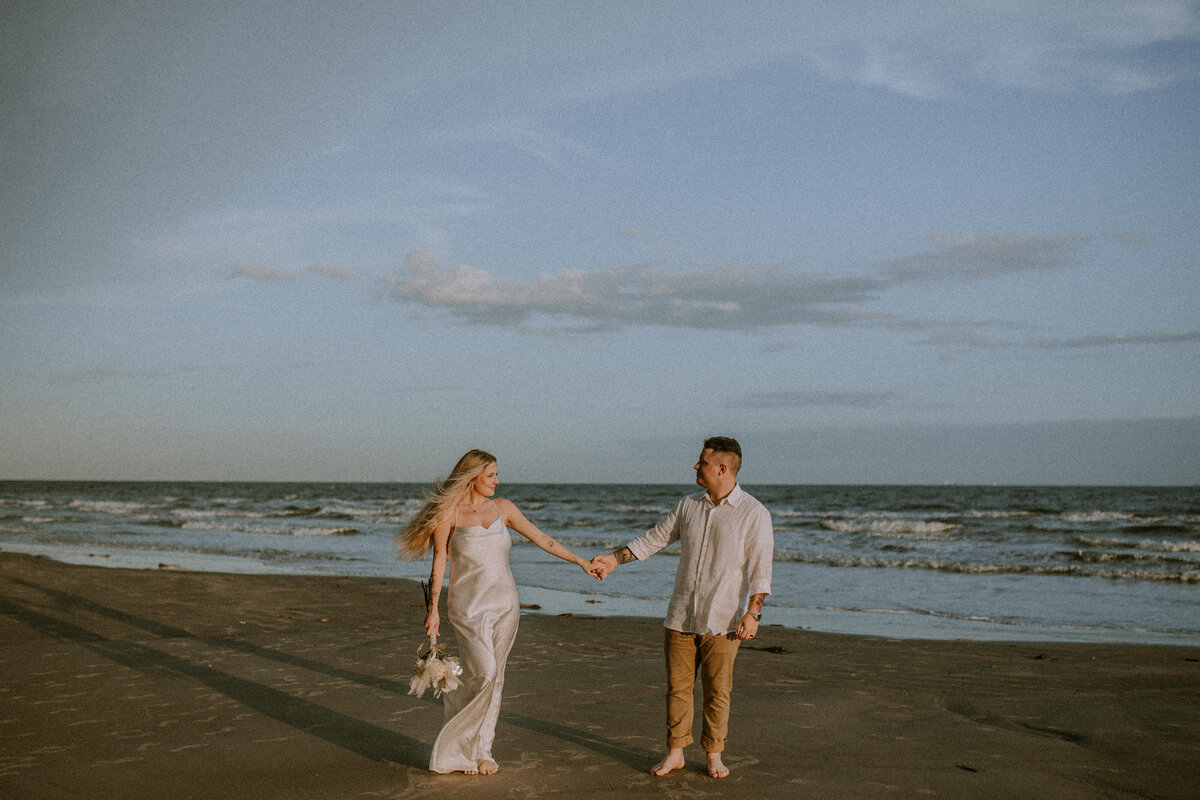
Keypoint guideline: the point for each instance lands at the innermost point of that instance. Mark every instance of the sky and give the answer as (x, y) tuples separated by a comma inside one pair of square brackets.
[(912, 242)]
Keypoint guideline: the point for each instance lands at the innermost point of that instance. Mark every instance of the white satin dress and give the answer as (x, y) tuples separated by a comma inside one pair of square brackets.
[(483, 609)]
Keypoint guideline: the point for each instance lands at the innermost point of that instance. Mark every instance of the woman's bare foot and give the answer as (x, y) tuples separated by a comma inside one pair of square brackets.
[(488, 767), (672, 762), (716, 767)]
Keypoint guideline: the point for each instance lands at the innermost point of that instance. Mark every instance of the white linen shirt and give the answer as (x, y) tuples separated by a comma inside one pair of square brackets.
[(725, 556)]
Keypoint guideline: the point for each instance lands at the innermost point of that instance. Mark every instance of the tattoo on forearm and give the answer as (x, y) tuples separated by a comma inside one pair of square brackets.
[(624, 555), (756, 603)]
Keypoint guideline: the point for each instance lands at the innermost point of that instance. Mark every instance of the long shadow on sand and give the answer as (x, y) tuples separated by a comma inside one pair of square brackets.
[(370, 741)]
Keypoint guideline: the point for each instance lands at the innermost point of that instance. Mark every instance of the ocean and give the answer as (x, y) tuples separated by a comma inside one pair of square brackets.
[(1091, 564)]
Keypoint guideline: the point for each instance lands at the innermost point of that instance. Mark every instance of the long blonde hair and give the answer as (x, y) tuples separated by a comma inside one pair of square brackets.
[(415, 540)]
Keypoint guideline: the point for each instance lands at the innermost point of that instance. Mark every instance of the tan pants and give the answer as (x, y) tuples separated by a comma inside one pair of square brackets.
[(713, 656)]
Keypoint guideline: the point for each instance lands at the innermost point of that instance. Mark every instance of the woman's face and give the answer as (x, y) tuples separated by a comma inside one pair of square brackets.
[(487, 481)]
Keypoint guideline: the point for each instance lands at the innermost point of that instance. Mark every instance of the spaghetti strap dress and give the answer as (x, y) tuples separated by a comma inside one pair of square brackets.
[(483, 609)]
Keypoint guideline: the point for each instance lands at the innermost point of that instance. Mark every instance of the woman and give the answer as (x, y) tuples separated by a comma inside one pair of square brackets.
[(467, 526)]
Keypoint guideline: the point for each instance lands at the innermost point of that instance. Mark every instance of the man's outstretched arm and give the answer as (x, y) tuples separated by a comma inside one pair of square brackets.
[(607, 562)]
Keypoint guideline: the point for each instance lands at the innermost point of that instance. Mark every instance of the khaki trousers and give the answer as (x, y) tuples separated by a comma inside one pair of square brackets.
[(713, 656)]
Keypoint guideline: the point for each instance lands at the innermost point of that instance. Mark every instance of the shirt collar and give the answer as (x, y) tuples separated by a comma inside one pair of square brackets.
[(733, 498)]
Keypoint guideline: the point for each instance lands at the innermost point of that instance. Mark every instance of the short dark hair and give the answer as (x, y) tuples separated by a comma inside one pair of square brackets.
[(723, 444), (726, 444)]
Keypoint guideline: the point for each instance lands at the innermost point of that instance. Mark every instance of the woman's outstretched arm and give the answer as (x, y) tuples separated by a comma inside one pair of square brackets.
[(514, 519)]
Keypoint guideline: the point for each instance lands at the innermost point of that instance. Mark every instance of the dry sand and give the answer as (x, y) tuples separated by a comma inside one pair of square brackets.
[(163, 684)]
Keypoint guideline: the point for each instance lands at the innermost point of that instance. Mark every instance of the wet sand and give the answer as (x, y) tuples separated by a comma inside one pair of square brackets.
[(152, 684)]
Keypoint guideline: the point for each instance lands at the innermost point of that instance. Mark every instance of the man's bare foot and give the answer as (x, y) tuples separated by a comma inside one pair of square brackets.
[(716, 767), (488, 767), (672, 762)]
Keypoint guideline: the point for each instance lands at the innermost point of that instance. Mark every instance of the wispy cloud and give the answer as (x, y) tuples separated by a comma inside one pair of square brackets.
[(537, 141), (100, 374), (1117, 339), (638, 233), (92, 375), (969, 257), (263, 273), (809, 398), (1115, 48), (968, 337), (340, 274)]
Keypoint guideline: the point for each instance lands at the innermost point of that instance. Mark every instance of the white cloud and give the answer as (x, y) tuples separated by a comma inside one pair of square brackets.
[(720, 296), (734, 296), (750, 297)]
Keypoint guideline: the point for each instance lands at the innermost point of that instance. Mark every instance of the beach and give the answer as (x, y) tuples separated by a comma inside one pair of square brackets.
[(168, 683)]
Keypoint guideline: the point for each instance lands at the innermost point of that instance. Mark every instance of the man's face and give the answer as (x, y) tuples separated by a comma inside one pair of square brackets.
[(707, 469)]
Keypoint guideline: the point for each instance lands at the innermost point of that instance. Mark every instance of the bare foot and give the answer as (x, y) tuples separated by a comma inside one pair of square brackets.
[(716, 767), (488, 767), (672, 762)]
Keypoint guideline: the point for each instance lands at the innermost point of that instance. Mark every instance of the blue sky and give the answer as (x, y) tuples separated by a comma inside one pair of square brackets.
[(910, 242)]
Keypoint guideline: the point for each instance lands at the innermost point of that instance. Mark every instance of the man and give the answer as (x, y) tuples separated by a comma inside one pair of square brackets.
[(727, 543)]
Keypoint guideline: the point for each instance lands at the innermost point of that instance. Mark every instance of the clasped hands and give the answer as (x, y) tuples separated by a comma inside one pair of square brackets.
[(601, 565)]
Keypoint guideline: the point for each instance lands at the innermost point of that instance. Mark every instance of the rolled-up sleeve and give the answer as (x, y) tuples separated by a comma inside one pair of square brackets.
[(760, 552)]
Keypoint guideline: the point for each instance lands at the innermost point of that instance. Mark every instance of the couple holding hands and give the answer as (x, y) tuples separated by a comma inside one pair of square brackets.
[(724, 575)]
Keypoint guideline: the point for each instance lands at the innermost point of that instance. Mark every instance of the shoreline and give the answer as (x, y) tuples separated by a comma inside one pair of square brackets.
[(137, 684), (880, 623)]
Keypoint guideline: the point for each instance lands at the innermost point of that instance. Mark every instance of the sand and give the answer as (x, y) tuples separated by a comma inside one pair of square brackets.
[(166, 684)]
